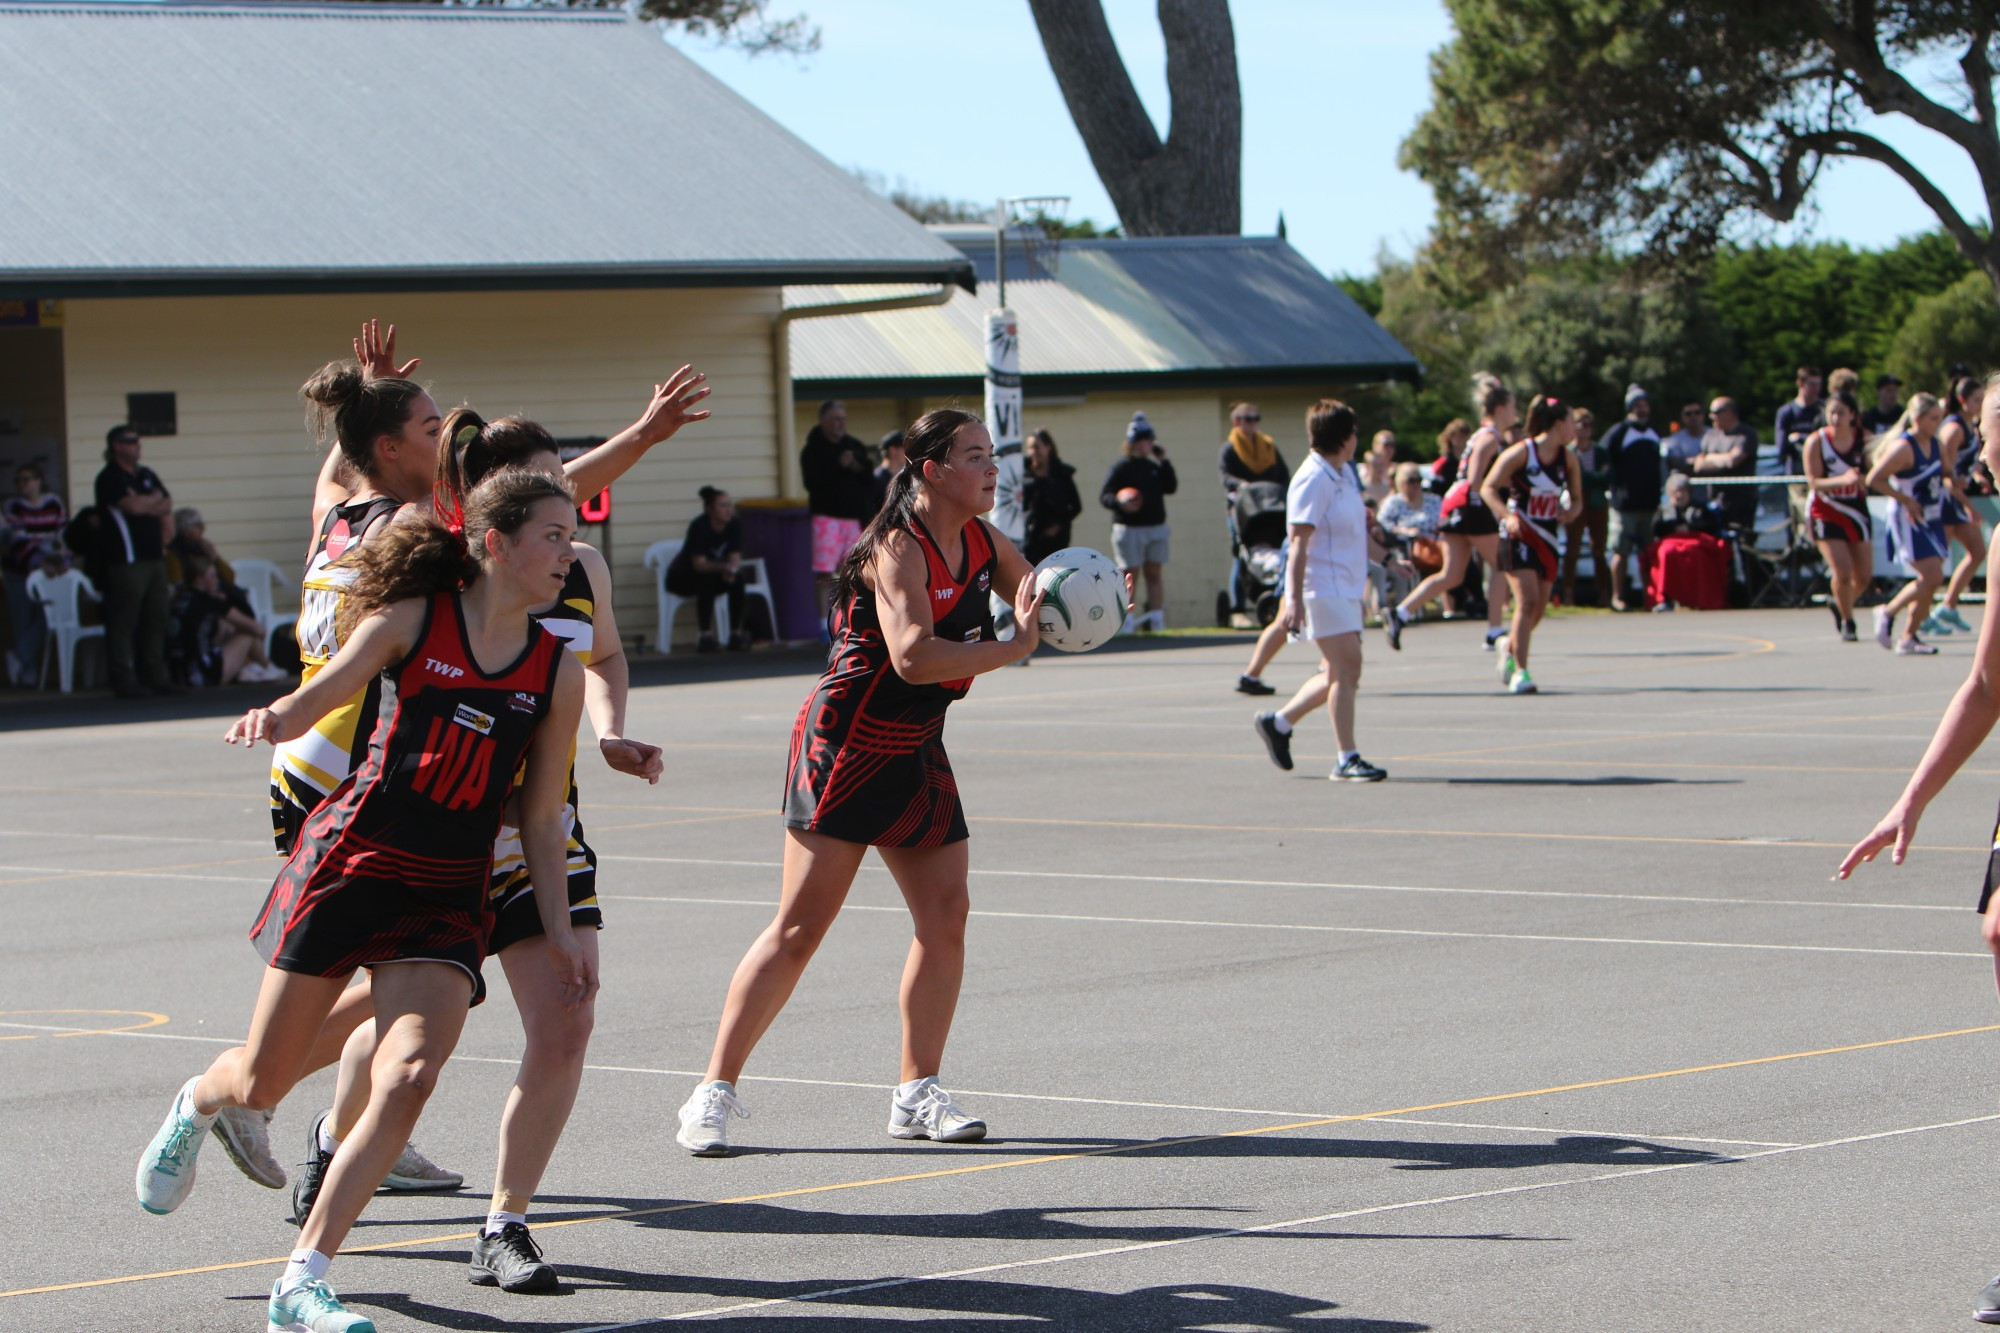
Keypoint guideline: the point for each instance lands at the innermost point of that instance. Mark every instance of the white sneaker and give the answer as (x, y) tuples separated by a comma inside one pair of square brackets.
[(311, 1307), (1885, 625), (414, 1171), (705, 1116), (166, 1171), (246, 1136), (932, 1115), (1521, 684), (1915, 647)]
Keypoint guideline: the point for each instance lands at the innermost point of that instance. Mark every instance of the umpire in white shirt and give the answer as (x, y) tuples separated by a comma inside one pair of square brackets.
[(1324, 582)]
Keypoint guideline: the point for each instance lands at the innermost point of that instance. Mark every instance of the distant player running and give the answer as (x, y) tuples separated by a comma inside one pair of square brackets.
[(1836, 463), (1968, 720), (1465, 522), (911, 627), (1909, 469), (392, 872), (1960, 440), (1537, 487)]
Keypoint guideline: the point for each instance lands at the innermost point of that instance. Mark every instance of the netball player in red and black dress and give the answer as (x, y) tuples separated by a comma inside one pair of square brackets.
[(1836, 460), (392, 873), (1465, 523), (1526, 486), (1968, 720), (911, 628)]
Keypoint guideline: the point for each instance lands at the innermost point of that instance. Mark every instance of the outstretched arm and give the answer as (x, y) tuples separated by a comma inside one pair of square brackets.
[(607, 679), (381, 638), (672, 406)]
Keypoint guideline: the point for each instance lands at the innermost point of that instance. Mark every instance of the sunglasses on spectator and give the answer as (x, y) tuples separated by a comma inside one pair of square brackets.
[(1250, 416)]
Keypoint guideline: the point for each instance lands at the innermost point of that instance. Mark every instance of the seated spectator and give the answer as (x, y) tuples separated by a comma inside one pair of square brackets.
[(215, 641), (1410, 518), (191, 540), (710, 565), (33, 520), (1687, 564)]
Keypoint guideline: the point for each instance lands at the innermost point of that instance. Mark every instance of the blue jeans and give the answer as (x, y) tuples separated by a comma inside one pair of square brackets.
[(24, 618)]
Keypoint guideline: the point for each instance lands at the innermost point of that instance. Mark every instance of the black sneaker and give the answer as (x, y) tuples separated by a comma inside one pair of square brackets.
[(1251, 685), (312, 1173), (1279, 743), (1358, 769), (511, 1261), (1392, 625), (1987, 1309)]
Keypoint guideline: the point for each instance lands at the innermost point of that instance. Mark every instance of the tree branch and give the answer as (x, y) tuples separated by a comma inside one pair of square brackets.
[(1097, 88), (1847, 143), (1883, 89)]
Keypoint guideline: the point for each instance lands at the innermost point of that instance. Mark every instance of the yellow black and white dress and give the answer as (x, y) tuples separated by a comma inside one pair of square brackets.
[(512, 901), (305, 771)]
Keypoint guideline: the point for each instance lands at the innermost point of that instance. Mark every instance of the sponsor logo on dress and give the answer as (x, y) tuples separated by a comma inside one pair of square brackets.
[(522, 702), (445, 669), (946, 594), (468, 716), (985, 579)]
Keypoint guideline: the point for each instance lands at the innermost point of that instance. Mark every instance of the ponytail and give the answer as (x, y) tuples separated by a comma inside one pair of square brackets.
[(928, 440), (471, 449), (422, 555)]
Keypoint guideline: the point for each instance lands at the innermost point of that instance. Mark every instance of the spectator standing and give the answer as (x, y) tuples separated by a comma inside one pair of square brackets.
[(1631, 455), (1379, 467), (138, 524), (1888, 406), (1443, 470), (1324, 582), (1135, 491), (34, 521), (1680, 448), (840, 492), (710, 565), (891, 450), (1048, 497), (1249, 454), (1594, 519), (1796, 423), (1729, 449)]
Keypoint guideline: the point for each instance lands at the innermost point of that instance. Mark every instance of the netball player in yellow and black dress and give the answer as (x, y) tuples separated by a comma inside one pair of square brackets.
[(911, 628), (392, 872)]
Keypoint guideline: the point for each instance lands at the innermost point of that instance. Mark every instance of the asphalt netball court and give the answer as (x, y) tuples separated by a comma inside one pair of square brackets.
[(1563, 1027)]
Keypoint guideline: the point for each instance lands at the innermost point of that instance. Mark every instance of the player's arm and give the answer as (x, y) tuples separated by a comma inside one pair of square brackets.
[(1814, 462), (1574, 510), (545, 841), (381, 638), (607, 680), (671, 407), (334, 486), (903, 602), (1292, 606), (1493, 487), (1950, 440), (1891, 461)]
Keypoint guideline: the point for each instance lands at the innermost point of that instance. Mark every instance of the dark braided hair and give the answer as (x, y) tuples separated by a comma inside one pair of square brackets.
[(928, 440)]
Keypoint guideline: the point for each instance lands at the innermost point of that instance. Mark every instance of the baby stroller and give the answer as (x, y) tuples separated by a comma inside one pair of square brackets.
[(1257, 537)]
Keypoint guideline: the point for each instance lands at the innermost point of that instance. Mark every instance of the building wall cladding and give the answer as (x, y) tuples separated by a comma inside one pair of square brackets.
[(1191, 423), (581, 363)]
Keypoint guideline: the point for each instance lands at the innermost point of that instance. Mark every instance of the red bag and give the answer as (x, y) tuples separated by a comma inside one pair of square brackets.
[(1689, 569)]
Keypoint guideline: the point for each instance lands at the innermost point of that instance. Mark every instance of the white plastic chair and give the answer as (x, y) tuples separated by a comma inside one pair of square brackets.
[(661, 554), (59, 597), (258, 579)]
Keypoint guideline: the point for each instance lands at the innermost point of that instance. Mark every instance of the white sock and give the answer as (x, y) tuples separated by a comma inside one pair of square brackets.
[(1346, 755), (1282, 723), (304, 1266), (496, 1221), (187, 1109), (327, 1142), (907, 1092)]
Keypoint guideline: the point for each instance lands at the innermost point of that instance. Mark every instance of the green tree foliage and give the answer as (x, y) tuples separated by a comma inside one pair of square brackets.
[(1958, 325), (1565, 126)]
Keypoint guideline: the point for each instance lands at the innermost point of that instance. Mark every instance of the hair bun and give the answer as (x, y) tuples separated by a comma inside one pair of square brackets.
[(335, 383)]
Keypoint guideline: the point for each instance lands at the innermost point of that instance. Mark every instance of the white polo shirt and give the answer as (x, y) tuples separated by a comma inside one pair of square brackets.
[(1329, 498)]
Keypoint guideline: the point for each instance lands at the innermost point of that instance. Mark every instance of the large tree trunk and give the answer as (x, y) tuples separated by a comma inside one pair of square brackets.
[(1191, 184)]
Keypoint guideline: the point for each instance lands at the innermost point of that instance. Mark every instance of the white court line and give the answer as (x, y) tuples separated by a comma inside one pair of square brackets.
[(765, 905), (832, 1293), (1359, 888), (85, 872), (136, 837)]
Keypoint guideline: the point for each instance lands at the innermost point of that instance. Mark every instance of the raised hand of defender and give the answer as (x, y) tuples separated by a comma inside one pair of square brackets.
[(575, 975), (259, 724), (673, 405), (1895, 831), (376, 351), (635, 757)]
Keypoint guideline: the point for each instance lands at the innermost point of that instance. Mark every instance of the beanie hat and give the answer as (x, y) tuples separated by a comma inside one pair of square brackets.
[(1140, 429), (1633, 393)]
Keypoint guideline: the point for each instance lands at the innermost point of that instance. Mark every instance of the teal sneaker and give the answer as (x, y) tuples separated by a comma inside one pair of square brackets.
[(1935, 626), (1950, 616), (166, 1171), (311, 1307)]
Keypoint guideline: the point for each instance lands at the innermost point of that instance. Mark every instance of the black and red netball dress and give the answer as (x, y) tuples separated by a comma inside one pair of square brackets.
[(868, 762), (1536, 499), (1463, 513), (1841, 515), (395, 866)]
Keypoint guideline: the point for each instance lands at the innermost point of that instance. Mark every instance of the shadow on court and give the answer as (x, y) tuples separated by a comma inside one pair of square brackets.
[(947, 1303), (1619, 780)]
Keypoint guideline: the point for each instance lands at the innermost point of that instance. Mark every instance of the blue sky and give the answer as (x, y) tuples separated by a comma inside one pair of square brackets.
[(957, 99)]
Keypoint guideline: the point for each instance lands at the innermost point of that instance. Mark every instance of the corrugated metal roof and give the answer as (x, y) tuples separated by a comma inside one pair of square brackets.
[(304, 146), (1227, 305)]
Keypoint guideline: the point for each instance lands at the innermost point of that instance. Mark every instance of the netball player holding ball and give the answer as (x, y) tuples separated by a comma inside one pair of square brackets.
[(392, 872), (1324, 581), (911, 627)]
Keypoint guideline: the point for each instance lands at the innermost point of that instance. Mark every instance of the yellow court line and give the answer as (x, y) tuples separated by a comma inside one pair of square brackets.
[(152, 1020), (1119, 1150), (1624, 763)]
